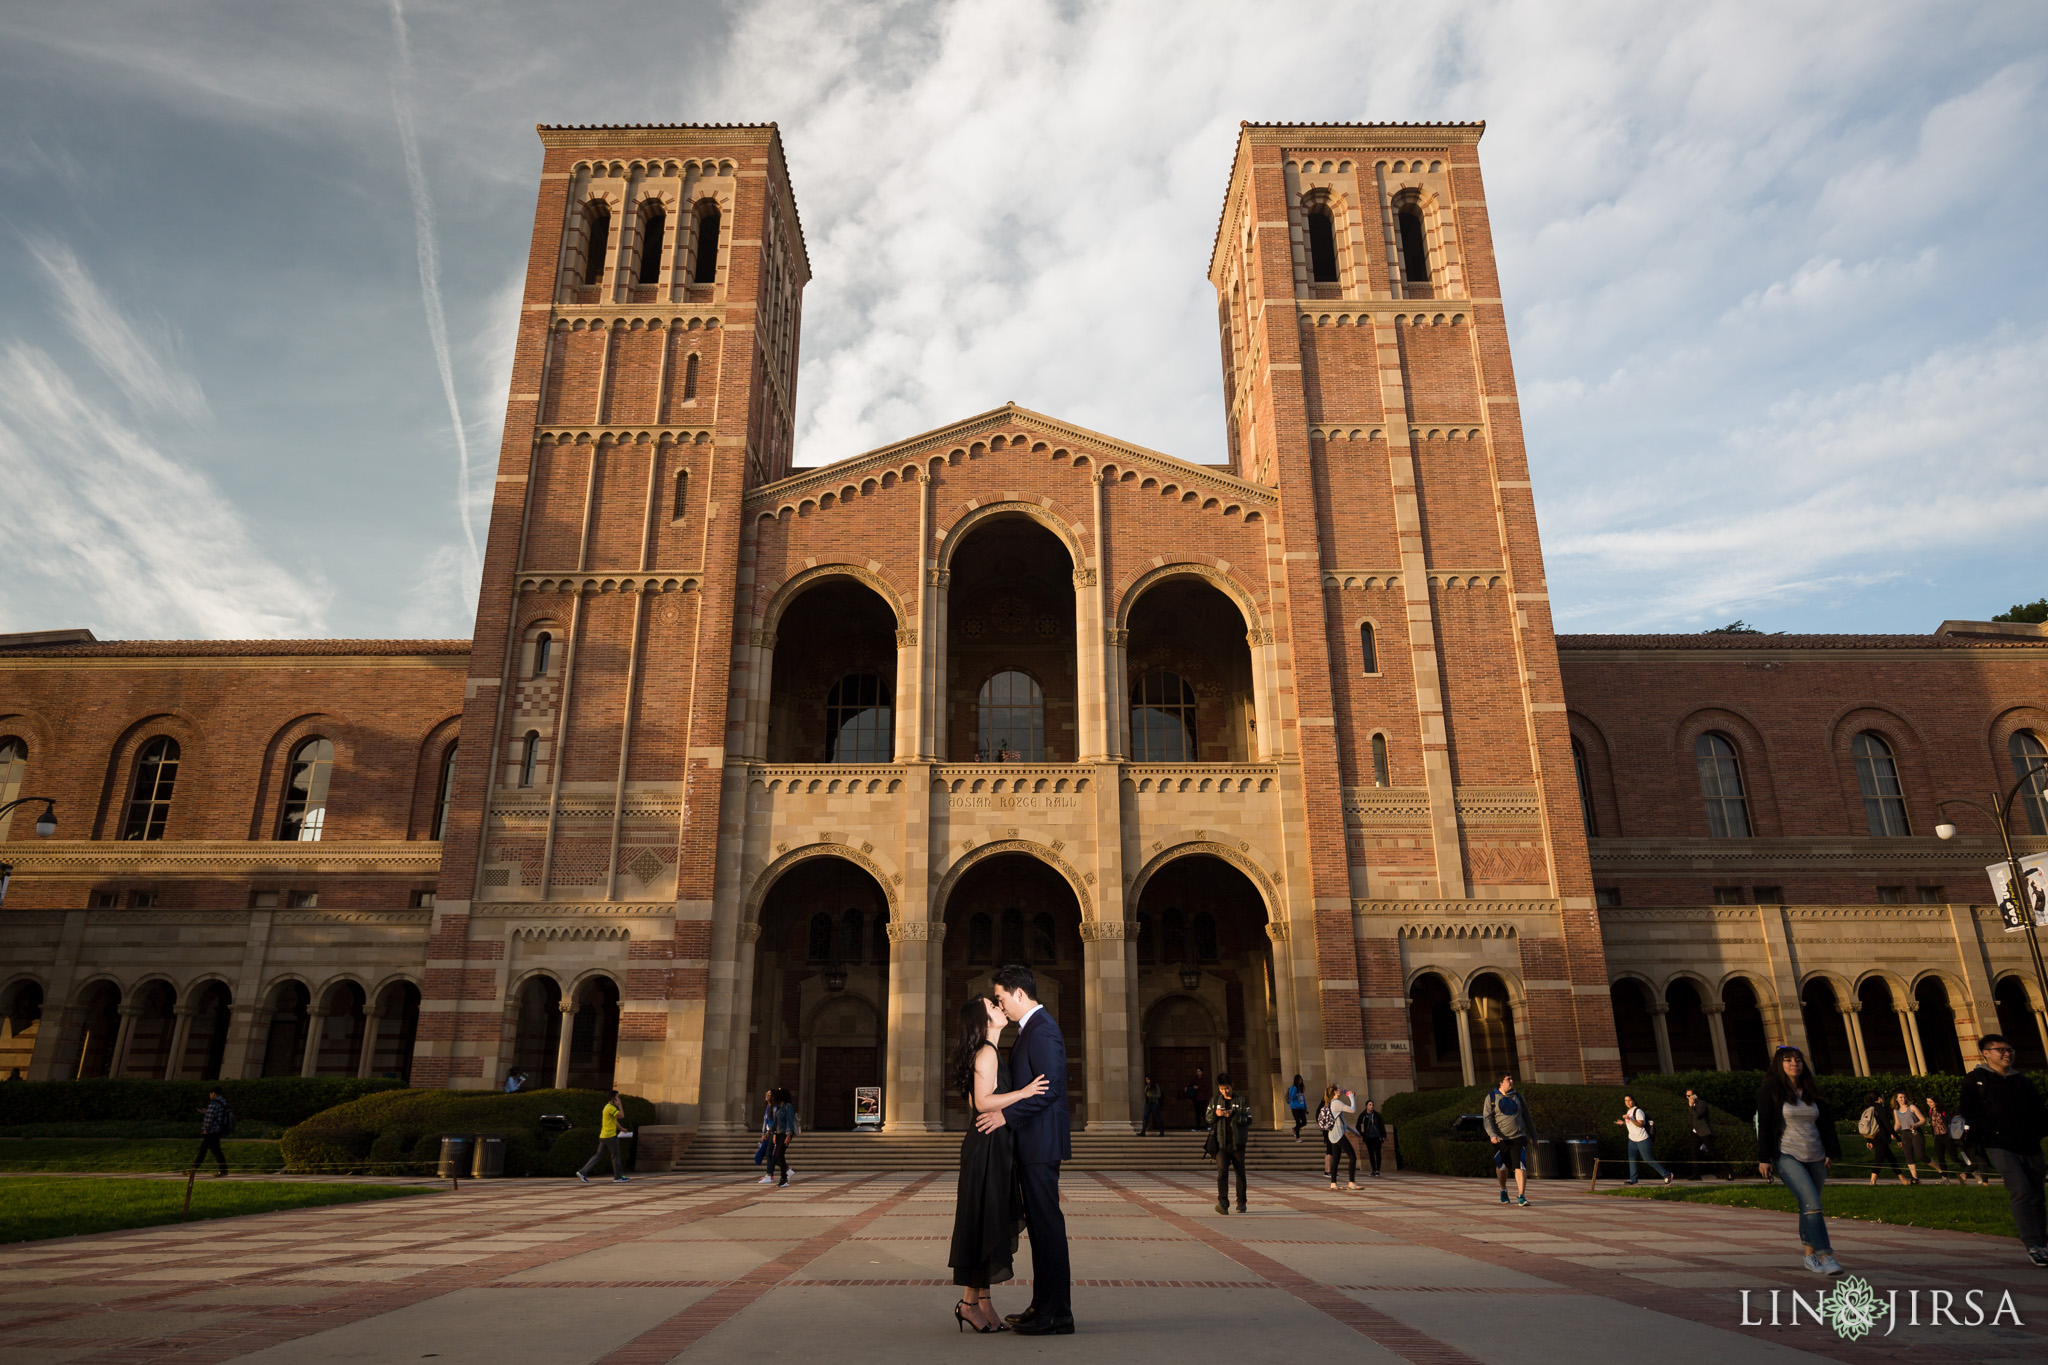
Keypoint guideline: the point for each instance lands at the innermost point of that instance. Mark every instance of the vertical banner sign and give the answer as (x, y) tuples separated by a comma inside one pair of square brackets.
[(867, 1106), (2034, 868)]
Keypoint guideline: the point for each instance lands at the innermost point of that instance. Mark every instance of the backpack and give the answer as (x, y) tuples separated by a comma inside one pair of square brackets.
[(1867, 1124), (1955, 1127), (1326, 1120), (227, 1120)]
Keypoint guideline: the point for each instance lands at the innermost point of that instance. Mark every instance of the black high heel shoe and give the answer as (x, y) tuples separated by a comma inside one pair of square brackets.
[(966, 1321)]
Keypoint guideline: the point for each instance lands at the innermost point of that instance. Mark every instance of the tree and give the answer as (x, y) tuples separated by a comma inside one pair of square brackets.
[(1735, 627), (2031, 613)]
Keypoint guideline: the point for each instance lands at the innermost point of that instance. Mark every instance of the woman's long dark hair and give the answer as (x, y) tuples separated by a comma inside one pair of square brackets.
[(1805, 1090), (973, 1033)]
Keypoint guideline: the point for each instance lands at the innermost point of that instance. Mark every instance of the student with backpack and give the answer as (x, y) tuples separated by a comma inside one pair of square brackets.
[(216, 1121), (1297, 1104), (1639, 1126), (1330, 1118), (1947, 1144), (1874, 1126)]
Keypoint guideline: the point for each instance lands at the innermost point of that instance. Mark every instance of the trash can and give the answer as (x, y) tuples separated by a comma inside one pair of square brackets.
[(629, 1150), (490, 1157), (1584, 1154), (1468, 1128), (556, 1124), (454, 1155), (1543, 1162)]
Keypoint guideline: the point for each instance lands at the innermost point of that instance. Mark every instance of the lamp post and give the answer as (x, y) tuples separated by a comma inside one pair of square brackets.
[(46, 825), (2017, 887)]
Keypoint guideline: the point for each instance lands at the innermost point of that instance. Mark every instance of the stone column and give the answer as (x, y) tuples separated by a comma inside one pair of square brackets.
[(1660, 1024), (1851, 1021), (740, 1039), (1462, 1005), (1103, 974), (911, 1009), (1909, 1029), (181, 1032), (1717, 1030), (316, 1030), (2041, 1026), (1116, 667), (568, 1010), (1283, 997), (373, 1024), (246, 1023), (118, 1063)]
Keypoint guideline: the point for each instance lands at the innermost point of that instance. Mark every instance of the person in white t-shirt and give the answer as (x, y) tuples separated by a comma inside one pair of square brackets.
[(1637, 1125)]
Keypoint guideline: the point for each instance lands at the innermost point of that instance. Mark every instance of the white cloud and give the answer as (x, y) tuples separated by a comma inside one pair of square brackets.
[(150, 382)]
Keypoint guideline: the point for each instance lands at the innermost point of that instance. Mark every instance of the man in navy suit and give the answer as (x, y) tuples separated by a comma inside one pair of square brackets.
[(1044, 1140)]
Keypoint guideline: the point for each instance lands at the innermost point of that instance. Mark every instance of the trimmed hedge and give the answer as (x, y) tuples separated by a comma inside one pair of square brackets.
[(400, 1133), (270, 1099), (1423, 1125), (1735, 1091)]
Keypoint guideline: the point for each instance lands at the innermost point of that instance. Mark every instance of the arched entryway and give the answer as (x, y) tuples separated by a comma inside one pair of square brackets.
[(396, 1021), (1202, 942), (1491, 1023), (284, 1048), (1692, 1043), (1827, 1037), (832, 687), (96, 1021), (21, 1016), (537, 1030), (342, 1023), (1008, 908), (594, 1034), (1634, 1033), (1936, 1018), (1010, 646), (1749, 1046), (153, 1007), (1188, 677), (821, 990), (1884, 1041), (206, 1035), (1433, 1034), (2018, 1022)]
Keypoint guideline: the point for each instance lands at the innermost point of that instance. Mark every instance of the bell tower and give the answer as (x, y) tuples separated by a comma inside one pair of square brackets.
[(654, 383), (1367, 379)]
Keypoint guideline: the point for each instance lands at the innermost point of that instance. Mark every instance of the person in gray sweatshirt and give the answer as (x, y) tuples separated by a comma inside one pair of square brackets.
[(1512, 1128)]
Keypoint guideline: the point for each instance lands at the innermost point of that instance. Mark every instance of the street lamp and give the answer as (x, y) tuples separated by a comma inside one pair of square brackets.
[(46, 825), (2017, 887)]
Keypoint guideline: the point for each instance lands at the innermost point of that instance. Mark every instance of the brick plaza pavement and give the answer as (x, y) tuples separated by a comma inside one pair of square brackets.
[(852, 1267)]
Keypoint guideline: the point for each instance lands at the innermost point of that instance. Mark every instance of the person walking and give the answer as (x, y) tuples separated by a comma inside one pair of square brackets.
[(767, 1147), (1044, 1140), (1946, 1129), (2004, 1113), (1637, 1125), (1372, 1129), (1331, 1118), (1297, 1105), (988, 1210), (1511, 1127), (1875, 1126), (608, 1135), (1155, 1102), (216, 1121), (1702, 1135), (1194, 1092), (1230, 1123), (1911, 1126), (782, 1130), (1796, 1138)]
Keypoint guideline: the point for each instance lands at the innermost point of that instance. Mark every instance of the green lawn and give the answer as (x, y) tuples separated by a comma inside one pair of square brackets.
[(32, 1208), (1958, 1208), (100, 1154)]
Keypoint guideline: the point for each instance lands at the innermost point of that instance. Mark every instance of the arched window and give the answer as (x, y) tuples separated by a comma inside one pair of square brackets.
[(981, 946), (690, 377), (1414, 247), (682, 494), (1162, 719), (1380, 777), (1205, 937), (446, 801), (1322, 247), (818, 945), (653, 229), (1721, 785), (1012, 718), (859, 726), (2025, 750), (1877, 772), (1368, 647), (156, 778), (528, 757), (1013, 935), (543, 653), (706, 271), (855, 923), (1585, 772), (305, 792), (13, 771), (1043, 941), (1148, 938), (1175, 935), (597, 239)]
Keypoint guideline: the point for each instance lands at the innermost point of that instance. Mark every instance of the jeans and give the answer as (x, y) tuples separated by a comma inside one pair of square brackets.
[(1152, 1119), (1372, 1149), (605, 1147), (778, 1155), (1804, 1179), (1300, 1120), (210, 1142), (1226, 1162), (1642, 1149), (2022, 1172)]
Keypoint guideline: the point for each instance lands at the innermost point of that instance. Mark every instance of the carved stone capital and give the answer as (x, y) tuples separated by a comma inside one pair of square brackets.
[(906, 638), (1278, 930), (750, 932), (1084, 578), (1116, 638), (916, 931), (1463, 1004), (938, 578), (1102, 930), (1659, 1007), (1716, 1008)]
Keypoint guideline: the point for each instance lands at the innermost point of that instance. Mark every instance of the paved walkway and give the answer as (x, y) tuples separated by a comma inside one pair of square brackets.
[(852, 1267)]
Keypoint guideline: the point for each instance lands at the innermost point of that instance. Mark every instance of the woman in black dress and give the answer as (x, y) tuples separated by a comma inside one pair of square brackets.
[(989, 1211)]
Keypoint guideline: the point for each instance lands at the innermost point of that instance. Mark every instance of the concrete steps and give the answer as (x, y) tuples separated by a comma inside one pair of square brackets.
[(823, 1152)]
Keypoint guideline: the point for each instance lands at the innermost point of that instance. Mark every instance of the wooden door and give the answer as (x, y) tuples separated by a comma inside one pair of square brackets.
[(1173, 1068), (840, 1070)]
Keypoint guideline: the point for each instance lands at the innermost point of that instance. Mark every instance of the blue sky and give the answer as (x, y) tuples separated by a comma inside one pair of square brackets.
[(1774, 273)]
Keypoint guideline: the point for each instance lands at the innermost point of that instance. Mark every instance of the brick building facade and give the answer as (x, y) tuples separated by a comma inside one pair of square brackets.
[(751, 773)]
